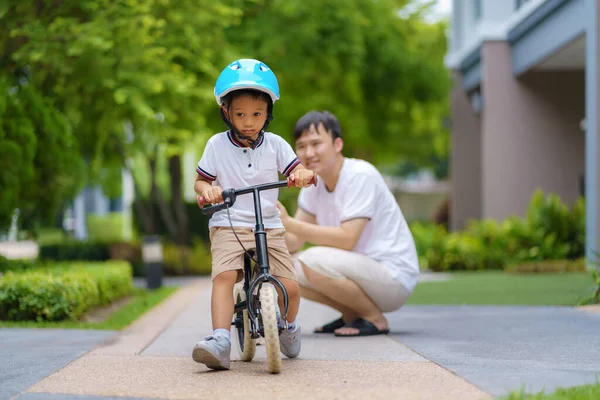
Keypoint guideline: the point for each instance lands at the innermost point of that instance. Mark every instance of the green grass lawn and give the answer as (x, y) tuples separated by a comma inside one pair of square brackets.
[(585, 392), (497, 287), (142, 301)]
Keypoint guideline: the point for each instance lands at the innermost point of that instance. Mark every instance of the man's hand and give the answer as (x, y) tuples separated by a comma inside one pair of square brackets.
[(303, 178), (214, 195), (285, 216)]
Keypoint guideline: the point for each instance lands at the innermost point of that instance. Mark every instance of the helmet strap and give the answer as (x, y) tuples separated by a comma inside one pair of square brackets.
[(269, 116)]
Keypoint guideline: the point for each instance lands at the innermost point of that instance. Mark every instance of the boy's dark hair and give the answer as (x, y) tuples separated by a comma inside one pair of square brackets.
[(329, 121), (255, 94)]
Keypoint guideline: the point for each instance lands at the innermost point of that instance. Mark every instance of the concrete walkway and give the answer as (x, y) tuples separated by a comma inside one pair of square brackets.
[(432, 353)]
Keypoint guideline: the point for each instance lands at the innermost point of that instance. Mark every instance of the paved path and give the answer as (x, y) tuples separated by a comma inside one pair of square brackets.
[(502, 348), (433, 352), (28, 355)]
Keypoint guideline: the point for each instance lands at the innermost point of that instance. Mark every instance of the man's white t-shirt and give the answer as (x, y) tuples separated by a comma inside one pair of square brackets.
[(229, 164), (361, 192)]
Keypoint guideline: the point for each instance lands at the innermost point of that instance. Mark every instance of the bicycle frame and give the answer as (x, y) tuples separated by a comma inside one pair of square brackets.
[(262, 252)]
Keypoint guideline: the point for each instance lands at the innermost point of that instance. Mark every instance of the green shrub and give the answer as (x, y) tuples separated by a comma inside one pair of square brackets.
[(493, 242), (178, 260), (426, 235), (15, 265), (197, 222), (459, 251), (593, 269), (463, 252), (62, 291), (113, 282), (550, 231), (128, 251), (39, 295), (430, 244), (48, 236), (90, 251), (73, 251), (105, 228), (577, 248), (184, 260), (556, 229)]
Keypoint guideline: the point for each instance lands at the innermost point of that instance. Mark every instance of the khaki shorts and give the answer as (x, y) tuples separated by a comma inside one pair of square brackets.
[(227, 254), (374, 278)]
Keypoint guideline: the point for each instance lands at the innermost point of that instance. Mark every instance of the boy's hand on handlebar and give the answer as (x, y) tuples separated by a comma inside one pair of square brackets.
[(302, 178), (214, 195)]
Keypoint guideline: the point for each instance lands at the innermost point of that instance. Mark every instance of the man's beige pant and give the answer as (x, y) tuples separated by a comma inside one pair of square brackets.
[(374, 278)]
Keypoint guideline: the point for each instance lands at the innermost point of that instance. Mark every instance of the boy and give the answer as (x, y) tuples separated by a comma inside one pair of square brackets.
[(246, 155)]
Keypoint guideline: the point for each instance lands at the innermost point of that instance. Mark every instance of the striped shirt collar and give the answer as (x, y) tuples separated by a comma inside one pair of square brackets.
[(236, 143)]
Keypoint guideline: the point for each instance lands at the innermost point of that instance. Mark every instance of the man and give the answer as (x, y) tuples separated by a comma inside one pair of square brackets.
[(364, 262)]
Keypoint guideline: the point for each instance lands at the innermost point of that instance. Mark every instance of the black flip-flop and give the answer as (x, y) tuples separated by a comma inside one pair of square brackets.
[(332, 326), (365, 328)]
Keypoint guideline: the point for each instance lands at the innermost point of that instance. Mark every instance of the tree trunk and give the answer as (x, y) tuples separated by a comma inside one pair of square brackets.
[(163, 207), (177, 202), (144, 209)]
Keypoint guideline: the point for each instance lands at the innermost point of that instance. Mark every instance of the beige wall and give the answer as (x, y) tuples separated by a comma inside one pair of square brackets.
[(465, 164), (530, 134)]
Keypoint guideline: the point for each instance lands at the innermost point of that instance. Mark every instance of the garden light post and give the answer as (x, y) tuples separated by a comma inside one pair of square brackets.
[(152, 257)]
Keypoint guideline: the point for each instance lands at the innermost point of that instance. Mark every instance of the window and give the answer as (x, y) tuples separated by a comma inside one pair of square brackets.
[(476, 9), (519, 3)]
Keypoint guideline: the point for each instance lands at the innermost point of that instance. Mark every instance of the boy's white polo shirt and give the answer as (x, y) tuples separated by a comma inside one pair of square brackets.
[(361, 192), (229, 164)]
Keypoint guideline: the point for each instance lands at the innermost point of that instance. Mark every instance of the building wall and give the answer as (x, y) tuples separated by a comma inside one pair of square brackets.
[(497, 11), (531, 136), (465, 163), (476, 21), (469, 23)]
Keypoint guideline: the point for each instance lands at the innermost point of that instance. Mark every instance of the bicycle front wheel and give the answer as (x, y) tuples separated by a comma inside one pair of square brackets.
[(271, 332)]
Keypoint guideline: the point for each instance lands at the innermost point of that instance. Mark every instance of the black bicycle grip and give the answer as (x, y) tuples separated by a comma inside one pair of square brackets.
[(213, 209)]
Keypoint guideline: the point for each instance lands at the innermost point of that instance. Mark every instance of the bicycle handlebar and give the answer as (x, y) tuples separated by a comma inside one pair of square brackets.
[(229, 195), (213, 209)]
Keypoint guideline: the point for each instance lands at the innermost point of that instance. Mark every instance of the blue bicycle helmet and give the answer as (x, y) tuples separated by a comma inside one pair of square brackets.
[(246, 74)]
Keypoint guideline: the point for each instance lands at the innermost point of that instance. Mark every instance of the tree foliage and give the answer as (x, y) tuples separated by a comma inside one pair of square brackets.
[(382, 74), (104, 82), (146, 64), (38, 155), (17, 152)]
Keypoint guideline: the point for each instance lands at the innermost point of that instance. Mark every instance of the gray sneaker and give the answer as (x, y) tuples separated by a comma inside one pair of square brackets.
[(289, 342), (214, 352)]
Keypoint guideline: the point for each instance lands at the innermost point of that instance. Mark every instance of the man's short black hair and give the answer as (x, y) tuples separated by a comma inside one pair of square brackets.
[(329, 121), (255, 94)]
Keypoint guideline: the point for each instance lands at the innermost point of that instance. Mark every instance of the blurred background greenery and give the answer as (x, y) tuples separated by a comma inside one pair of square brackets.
[(92, 89), (118, 96)]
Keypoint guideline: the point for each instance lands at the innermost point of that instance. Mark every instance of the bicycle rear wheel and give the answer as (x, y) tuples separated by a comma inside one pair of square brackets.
[(246, 345)]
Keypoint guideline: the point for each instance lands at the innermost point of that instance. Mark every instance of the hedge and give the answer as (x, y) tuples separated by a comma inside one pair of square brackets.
[(549, 266), (177, 260), (548, 231), (63, 291), (197, 222), (72, 250)]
